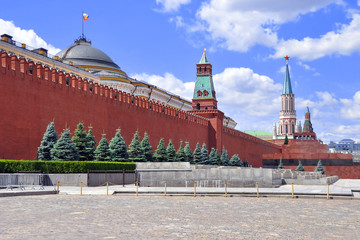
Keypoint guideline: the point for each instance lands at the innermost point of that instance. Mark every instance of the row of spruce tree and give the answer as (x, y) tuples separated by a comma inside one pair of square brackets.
[(82, 147)]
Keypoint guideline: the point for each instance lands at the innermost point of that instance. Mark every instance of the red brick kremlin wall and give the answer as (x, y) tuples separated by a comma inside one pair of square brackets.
[(28, 102)]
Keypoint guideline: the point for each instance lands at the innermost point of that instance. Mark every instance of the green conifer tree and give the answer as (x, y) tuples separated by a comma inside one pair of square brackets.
[(286, 141), (180, 154), (225, 159), (160, 154), (217, 158), (171, 152), (90, 145), (118, 148), (235, 161), (197, 154), (147, 148), (211, 156), (136, 154), (300, 167), (205, 155), (189, 157), (49, 139), (80, 141), (319, 168), (281, 165), (64, 149), (102, 151)]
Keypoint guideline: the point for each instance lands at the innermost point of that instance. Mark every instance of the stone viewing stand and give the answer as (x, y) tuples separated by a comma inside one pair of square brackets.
[(183, 174)]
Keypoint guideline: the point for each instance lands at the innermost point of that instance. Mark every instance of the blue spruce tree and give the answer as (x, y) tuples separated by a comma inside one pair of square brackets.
[(49, 139), (64, 149)]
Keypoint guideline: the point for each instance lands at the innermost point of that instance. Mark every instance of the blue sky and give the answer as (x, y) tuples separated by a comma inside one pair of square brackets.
[(160, 41)]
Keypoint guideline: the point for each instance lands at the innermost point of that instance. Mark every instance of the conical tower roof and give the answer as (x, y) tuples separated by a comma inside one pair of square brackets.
[(287, 83), (204, 58)]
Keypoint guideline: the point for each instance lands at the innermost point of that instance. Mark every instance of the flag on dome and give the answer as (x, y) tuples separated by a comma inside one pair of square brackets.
[(85, 17)]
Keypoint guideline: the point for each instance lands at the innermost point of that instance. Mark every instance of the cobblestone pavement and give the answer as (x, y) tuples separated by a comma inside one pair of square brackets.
[(177, 217)]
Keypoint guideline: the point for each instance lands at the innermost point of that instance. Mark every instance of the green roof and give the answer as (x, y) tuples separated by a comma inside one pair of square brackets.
[(204, 58), (258, 133), (204, 83)]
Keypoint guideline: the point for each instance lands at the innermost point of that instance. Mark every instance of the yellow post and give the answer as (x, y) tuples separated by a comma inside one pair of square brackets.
[(107, 188), (194, 189), (165, 188), (81, 188), (225, 190), (257, 190), (292, 190), (327, 195), (137, 186), (57, 189)]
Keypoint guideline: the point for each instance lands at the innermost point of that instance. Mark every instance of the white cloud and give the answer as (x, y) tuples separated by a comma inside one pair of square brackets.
[(172, 5), (351, 107), (341, 42), (29, 37), (168, 82), (306, 66), (240, 24), (240, 90)]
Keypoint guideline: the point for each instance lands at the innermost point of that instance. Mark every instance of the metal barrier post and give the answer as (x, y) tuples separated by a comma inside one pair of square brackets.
[(165, 188), (107, 188), (81, 188), (225, 189), (137, 186), (123, 175), (292, 190), (327, 195), (257, 190), (194, 189), (57, 189)]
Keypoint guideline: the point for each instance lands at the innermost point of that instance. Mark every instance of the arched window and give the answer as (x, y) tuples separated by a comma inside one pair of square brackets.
[(199, 93), (205, 69), (206, 93), (198, 106), (199, 69), (286, 128)]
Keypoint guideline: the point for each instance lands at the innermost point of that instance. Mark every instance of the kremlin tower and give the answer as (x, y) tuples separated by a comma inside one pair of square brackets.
[(204, 97), (204, 101), (287, 122), (288, 125)]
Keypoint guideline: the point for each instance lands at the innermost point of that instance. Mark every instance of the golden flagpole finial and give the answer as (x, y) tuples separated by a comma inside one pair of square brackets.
[(204, 49)]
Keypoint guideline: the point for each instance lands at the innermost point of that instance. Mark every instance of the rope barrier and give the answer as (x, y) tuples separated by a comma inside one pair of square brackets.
[(226, 185)]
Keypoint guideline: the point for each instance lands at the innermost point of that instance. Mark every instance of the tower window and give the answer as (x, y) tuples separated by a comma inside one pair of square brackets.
[(199, 93), (199, 69), (198, 106), (206, 93), (205, 69)]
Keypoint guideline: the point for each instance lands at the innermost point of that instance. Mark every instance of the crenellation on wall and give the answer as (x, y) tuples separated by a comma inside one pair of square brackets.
[(41, 103), (70, 79)]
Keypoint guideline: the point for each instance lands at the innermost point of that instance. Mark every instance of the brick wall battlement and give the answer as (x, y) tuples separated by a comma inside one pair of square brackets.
[(22, 67)]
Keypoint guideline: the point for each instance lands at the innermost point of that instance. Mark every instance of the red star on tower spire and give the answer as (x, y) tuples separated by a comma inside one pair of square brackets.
[(287, 58)]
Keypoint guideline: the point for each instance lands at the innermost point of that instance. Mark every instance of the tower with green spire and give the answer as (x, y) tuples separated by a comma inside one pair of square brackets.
[(288, 112), (307, 124), (204, 101), (204, 97)]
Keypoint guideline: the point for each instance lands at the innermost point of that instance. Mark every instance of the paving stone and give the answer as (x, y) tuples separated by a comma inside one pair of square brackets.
[(177, 217)]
